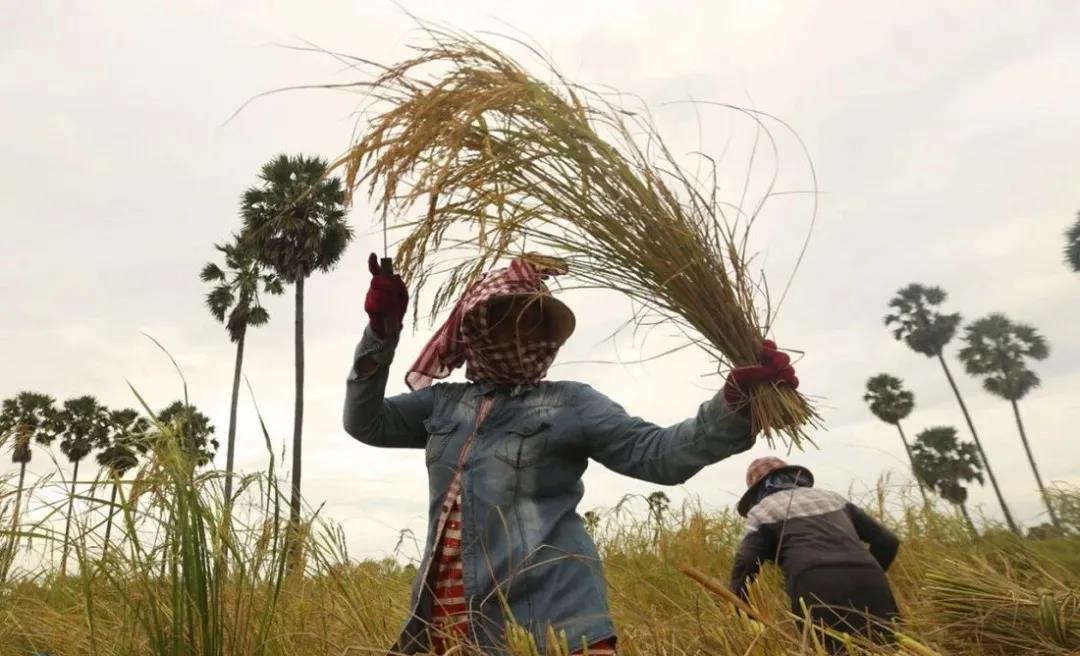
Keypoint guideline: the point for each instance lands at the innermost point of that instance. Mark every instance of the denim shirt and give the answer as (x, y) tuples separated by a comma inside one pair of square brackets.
[(525, 549)]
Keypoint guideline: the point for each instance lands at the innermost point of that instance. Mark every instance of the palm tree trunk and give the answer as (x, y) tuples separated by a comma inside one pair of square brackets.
[(962, 507), (231, 446), (109, 522), (298, 412), (907, 447), (18, 499), (978, 444), (1034, 469), (9, 553), (67, 524)]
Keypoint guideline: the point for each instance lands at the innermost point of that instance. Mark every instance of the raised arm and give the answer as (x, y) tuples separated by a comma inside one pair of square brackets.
[(883, 543), (395, 422), (668, 456)]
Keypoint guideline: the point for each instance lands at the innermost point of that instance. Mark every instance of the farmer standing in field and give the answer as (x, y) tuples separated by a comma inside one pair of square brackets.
[(817, 537), (505, 454)]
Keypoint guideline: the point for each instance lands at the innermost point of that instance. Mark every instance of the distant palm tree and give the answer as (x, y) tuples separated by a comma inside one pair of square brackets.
[(944, 464), (295, 219), (1072, 245), (890, 403), (184, 437), (234, 300), (26, 416), (658, 506), (193, 431), (82, 424), (996, 350), (927, 331), (120, 452)]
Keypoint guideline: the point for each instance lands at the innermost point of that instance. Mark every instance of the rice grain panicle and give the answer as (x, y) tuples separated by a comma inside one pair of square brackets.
[(492, 153)]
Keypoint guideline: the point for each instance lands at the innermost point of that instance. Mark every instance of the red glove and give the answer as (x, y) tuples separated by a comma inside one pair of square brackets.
[(386, 300), (775, 368)]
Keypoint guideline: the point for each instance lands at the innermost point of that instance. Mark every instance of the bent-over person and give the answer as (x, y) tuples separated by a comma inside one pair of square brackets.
[(817, 538)]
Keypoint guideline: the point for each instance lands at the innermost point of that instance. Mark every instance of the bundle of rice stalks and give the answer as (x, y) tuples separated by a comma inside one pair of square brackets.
[(505, 160), (991, 604)]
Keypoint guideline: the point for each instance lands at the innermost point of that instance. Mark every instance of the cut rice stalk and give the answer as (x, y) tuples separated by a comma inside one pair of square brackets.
[(493, 153)]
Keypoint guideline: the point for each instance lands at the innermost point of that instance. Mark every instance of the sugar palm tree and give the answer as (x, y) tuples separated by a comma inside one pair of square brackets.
[(192, 430), (997, 349), (295, 220), (945, 464), (185, 437), (1072, 245), (82, 424), (234, 300), (890, 403), (26, 416), (125, 441), (658, 506), (927, 331)]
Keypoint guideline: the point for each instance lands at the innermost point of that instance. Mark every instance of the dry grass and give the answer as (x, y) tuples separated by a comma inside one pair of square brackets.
[(501, 163), (1008, 601), (204, 580)]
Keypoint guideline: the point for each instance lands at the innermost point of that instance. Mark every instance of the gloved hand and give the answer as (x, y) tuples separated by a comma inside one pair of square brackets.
[(774, 368), (386, 300)]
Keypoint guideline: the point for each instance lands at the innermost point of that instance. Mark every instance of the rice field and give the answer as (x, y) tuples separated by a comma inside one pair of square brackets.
[(187, 575)]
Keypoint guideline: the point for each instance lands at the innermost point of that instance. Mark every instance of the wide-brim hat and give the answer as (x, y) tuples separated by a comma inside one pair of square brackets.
[(557, 315), (759, 471)]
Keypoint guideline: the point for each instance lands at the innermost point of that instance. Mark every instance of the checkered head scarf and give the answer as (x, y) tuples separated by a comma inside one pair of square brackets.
[(465, 337)]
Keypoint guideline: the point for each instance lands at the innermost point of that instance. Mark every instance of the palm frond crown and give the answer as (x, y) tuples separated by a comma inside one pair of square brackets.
[(192, 430), (997, 349), (26, 416), (888, 399), (81, 425), (917, 322), (295, 217), (127, 438), (234, 298), (944, 463), (1072, 245)]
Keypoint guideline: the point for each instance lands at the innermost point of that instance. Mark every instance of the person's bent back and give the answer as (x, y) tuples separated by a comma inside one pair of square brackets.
[(817, 538)]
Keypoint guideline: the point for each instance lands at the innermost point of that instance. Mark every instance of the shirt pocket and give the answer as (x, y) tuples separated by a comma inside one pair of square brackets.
[(439, 433), (524, 445)]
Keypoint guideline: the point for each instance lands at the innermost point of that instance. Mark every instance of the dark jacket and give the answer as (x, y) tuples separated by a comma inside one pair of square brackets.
[(804, 527)]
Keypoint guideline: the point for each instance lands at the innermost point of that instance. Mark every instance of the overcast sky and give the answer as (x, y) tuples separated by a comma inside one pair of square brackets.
[(946, 144)]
